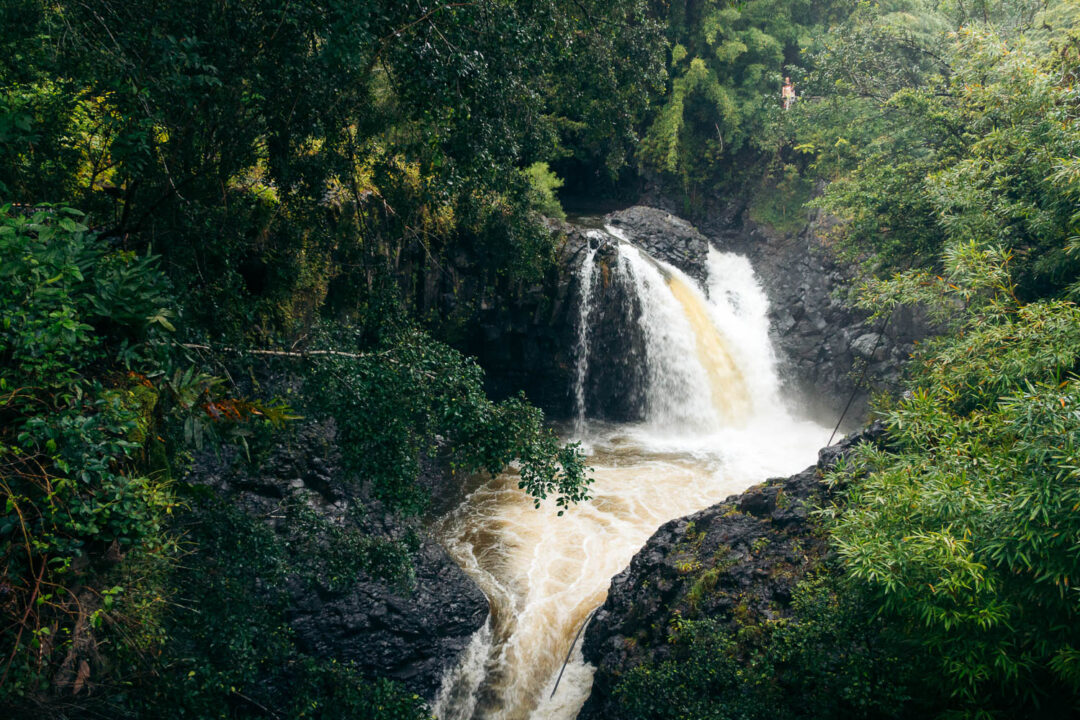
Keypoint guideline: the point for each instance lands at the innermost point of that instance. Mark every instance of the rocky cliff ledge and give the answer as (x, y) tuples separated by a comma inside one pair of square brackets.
[(409, 630), (667, 237), (737, 562)]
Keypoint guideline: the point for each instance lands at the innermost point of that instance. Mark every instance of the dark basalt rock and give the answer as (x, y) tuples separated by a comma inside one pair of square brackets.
[(616, 381), (409, 633), (527, 344), (666, 237), (411, 636), (531, 344), (737, 562)]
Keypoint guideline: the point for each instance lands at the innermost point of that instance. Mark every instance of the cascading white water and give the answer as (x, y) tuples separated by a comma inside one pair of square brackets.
[(714, 425), (585, 283), (693, 382), (740, 309)]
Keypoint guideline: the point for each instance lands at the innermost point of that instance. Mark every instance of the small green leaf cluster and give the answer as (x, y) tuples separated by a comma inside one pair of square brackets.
[(542, 185)]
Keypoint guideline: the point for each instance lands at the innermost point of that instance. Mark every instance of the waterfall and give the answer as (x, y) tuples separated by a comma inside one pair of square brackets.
[(739, 309), (693, 382), (714, 424), (585, 282)]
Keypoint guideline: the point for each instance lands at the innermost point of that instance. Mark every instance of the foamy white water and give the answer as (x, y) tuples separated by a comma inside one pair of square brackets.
[(714, 425), (581, 369)]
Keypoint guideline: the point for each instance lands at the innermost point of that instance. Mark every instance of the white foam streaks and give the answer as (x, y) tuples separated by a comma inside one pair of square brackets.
[(581, 369)]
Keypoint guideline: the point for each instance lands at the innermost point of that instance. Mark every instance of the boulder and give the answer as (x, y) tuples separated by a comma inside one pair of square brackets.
[(667, 237), (737, 562)]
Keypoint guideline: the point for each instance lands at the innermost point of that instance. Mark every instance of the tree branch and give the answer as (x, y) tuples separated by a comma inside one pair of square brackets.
[(283, 353)]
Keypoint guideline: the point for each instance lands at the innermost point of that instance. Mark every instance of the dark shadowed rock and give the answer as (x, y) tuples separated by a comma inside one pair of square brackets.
[(409, 635), (530, 344), (407, 631), (737, 562), (526, 343), (616, 382)]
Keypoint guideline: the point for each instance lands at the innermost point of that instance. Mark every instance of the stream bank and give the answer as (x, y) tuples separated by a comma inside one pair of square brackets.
[(736, 563), (411, 627)]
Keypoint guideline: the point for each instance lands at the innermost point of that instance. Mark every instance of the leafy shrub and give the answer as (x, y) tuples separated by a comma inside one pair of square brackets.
[(964, 530), (973, 138), (89, 395), (415, 393), (76, 344), (542, 185)]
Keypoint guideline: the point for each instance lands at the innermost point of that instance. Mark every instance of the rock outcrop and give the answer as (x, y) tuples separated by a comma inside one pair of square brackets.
[(531, 345), (616, 382), (736, 562), (527, 344), (407, 631), (667, 237)]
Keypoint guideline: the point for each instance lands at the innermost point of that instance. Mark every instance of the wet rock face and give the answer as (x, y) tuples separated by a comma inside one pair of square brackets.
[(666, 237), (616, 382), (527, 344), (388, 629), (531, 345), (829, 352), (412, 636), (737, 562)]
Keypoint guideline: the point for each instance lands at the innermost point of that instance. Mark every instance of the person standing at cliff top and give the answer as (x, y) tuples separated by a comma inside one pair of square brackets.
[(787, 93)]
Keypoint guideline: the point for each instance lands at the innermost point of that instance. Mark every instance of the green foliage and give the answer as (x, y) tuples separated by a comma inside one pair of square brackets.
[(829, 660), (89, 397), (963, 530), (940, 138), (265, 149), (76, 500), (543, 183), (229, 652), (728, 64), (781, 206), (416, 394)]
